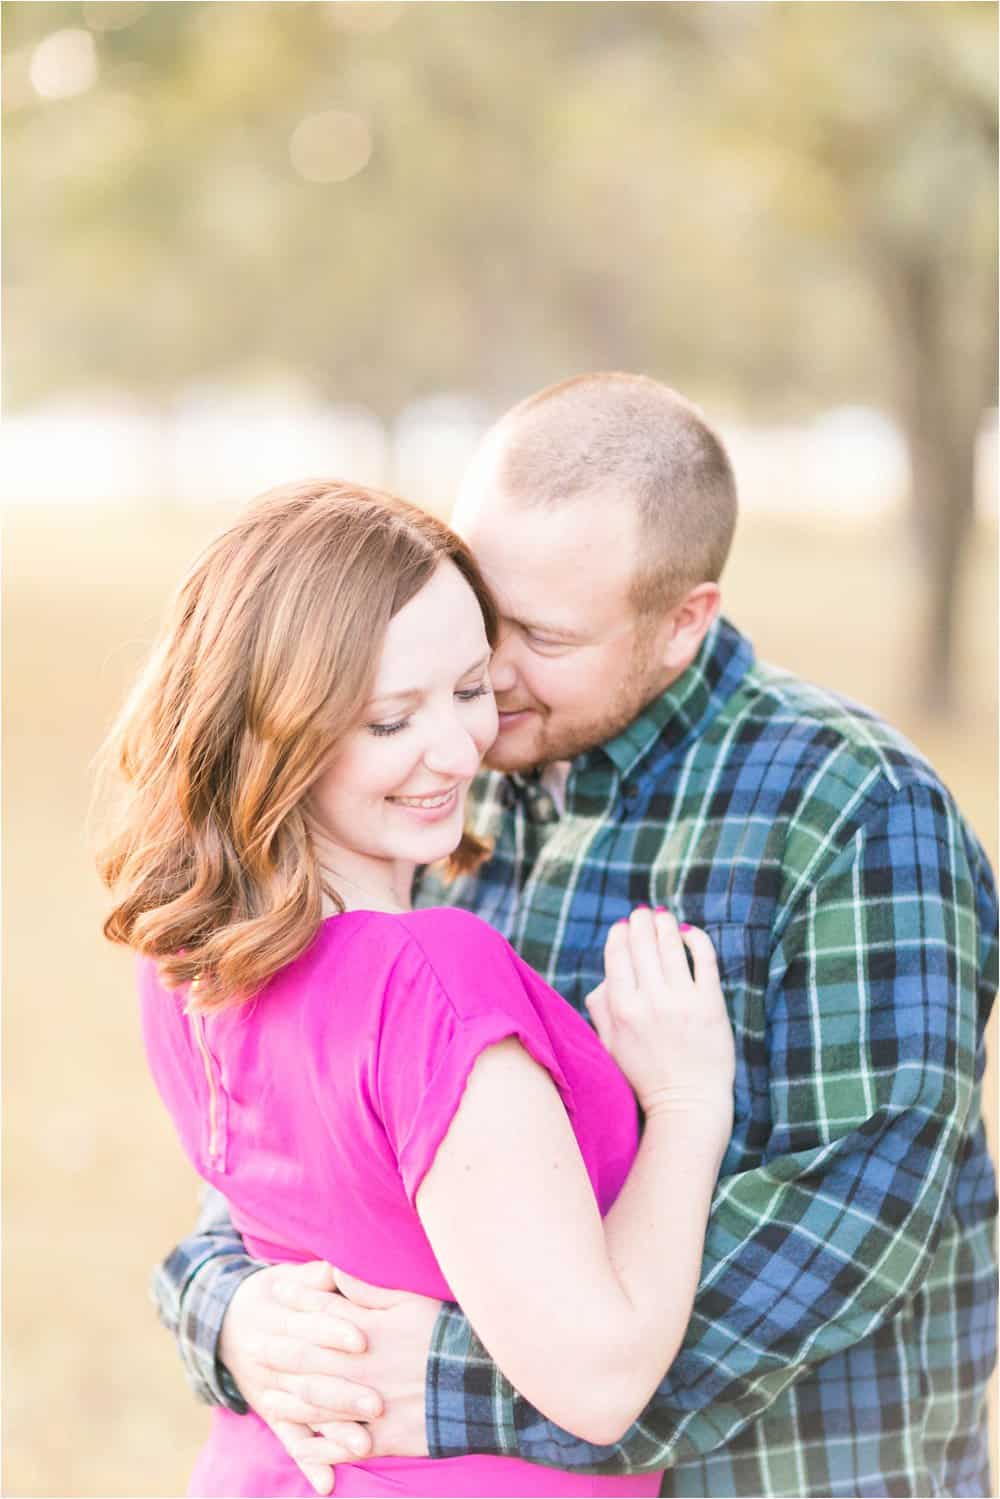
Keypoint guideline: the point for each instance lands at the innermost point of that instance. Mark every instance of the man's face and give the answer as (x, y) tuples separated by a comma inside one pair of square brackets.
[(575, 663)]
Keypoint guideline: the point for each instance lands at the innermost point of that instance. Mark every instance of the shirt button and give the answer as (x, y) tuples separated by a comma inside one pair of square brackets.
[(545, 809), (630, 791)]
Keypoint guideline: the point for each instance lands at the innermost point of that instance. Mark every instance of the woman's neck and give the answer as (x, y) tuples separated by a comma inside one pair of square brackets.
[(361, 882)]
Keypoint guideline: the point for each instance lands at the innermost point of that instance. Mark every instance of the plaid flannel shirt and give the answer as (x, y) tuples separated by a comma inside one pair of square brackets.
[(845, 1323)]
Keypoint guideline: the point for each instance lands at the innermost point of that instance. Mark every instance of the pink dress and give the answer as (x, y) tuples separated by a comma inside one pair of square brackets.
[(317, 1110)]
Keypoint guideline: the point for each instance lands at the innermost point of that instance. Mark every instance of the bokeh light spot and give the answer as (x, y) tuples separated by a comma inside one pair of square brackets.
[(64, 64), (331, 146)]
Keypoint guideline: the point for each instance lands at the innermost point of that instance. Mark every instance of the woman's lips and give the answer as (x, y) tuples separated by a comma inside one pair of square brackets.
[(431, 808)]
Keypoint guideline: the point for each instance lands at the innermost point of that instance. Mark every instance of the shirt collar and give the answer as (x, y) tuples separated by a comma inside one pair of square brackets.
[(687, 706)]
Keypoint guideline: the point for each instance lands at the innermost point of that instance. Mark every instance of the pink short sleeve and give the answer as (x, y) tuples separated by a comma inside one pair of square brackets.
[(457, 990)]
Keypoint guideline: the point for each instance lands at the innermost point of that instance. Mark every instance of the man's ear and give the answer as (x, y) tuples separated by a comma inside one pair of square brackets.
[(689, 623)]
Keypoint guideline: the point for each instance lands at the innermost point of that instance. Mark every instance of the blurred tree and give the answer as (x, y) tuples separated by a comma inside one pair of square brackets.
[(774, 207), (884, 135)]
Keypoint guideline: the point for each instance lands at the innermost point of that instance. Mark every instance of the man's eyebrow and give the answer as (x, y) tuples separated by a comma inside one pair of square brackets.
[(558, 632), (392, 697)]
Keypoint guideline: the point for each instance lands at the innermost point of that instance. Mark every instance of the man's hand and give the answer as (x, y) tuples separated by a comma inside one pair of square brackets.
[(397, 1327), (315, 1365)]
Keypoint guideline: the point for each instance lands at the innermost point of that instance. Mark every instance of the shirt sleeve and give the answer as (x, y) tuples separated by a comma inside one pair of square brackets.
[(458, 990), (874, 1053), (192, 1289)]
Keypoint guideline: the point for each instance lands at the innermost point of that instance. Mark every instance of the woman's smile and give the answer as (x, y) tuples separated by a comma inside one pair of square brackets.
[(429, 808)]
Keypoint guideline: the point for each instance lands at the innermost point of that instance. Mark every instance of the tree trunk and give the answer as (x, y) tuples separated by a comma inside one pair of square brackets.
[(943, 505), (940, 415)]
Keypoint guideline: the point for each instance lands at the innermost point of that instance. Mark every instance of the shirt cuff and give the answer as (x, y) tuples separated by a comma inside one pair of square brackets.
[(202, 1303), (470, 1406)]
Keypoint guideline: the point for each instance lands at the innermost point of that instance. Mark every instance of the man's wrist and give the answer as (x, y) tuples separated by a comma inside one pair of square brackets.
[(205, 1304)]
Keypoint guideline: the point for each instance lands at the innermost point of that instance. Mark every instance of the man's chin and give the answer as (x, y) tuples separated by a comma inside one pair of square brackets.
[(519, 748), (508, 760)]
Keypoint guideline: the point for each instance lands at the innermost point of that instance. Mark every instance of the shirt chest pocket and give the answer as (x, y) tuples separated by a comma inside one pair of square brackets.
[(743, 953)]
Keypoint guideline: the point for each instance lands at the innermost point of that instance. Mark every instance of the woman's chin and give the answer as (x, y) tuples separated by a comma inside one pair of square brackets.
[(436, 850), (430, 845)]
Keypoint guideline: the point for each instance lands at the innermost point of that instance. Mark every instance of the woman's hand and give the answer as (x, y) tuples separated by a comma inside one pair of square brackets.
[(668, 1031)]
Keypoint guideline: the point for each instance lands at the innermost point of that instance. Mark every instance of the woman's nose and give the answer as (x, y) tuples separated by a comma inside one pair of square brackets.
[(453, 752)]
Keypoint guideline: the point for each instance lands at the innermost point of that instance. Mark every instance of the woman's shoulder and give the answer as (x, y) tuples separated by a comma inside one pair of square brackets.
[(474, 965), (438, 937), (433, 925), (430, 930), (452, 936)]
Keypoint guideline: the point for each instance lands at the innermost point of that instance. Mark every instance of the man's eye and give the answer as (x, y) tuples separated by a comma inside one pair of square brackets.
[(542, 643), (387, 728)]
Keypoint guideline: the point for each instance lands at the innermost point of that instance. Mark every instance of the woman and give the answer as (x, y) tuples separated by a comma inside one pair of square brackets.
[(301, 741)]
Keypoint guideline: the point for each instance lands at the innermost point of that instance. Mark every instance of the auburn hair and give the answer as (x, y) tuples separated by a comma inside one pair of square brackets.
[(266, 659)]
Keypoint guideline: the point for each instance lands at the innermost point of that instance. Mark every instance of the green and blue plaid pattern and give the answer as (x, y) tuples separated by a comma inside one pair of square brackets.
[(844, 1328)]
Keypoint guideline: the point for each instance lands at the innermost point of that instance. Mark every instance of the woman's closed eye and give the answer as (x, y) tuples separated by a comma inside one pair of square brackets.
[(464, 695), (387, 728)]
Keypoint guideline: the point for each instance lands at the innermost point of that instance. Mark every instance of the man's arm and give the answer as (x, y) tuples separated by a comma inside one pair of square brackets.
[(871, 1010), (192, 1290), (195, 1292)]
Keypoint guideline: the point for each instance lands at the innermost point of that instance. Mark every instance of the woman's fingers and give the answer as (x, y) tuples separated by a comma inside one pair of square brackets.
[(703, 955), (620, 979), (597, 1005), (645, 953), (673, 959)]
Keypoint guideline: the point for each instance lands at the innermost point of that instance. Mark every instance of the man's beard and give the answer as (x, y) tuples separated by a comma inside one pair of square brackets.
[(565, 740)]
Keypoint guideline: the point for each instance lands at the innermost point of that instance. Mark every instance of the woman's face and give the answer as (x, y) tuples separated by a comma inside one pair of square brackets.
[(396, 788)]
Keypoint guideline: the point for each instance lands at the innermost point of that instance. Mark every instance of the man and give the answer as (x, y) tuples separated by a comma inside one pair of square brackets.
[(844, 1329)]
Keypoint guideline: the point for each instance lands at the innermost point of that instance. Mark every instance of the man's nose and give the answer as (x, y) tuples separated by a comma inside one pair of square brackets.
[(503, 674)]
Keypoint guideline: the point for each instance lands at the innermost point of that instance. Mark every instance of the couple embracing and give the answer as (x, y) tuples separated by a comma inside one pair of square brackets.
[(733, 1237)]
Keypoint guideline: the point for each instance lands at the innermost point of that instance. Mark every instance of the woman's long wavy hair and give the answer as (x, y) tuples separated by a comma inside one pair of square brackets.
[(266, 660)]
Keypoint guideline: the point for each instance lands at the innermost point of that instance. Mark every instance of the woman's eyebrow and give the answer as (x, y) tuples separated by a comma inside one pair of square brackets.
[(393, 697), (414, 692)]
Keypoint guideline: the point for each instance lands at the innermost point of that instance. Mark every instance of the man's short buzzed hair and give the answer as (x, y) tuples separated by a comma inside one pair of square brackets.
[(630, 438)]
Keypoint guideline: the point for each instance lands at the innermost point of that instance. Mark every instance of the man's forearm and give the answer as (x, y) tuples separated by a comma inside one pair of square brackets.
[(192, 1289)]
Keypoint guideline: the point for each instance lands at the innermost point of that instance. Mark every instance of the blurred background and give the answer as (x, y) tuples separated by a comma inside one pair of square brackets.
[(245, 243)]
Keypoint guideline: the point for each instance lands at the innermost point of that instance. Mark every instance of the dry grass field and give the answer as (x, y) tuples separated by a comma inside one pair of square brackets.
[(95, 1188)]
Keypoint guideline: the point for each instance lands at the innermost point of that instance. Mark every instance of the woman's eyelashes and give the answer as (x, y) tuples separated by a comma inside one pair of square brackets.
[(387, 728), (464, 695)]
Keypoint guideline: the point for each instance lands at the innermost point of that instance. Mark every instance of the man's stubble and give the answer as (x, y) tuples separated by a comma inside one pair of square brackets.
[(559, 738)]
